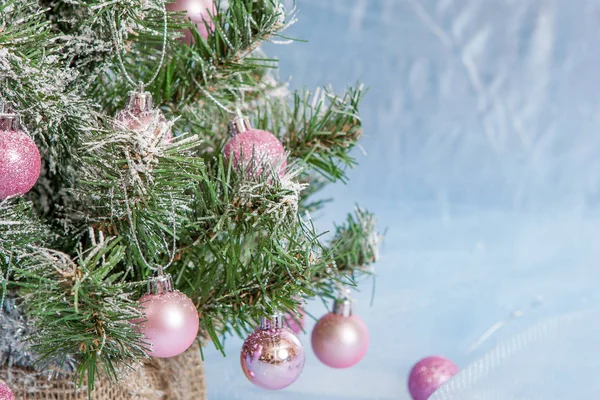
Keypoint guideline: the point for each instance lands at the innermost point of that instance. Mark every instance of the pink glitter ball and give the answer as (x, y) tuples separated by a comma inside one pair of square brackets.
[(198, 11), (340, 341), (256, 148), (171, 323), (5, 392), (428, 375), (20, 163)]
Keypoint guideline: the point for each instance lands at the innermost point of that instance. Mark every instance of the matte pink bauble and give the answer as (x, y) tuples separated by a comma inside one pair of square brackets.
[(255, 149), (272, 356), (20, 163), (199, 12), (340, 341), (171, 323), (5, 392), (428, 375)]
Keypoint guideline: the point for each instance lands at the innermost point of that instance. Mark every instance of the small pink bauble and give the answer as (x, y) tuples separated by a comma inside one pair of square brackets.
[(428, 375), (199, 12), (5, 392), (295, 322), (256, 148), (340, 341), (20, 163), (170, 325), (272, 357)]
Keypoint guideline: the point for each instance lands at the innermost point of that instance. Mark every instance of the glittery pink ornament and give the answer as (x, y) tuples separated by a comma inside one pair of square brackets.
[(5, 392), (20, 161), (272, 356), (296, 322), (139, 115), (199, 12), (340, 339), (428, 375), (254, 148), (171, 320)]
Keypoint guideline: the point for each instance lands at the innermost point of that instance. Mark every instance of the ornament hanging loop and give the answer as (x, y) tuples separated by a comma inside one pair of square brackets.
[(118, 46), (159, 269)]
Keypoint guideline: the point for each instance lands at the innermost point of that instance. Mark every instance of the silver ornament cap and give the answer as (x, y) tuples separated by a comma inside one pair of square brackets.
[(8, 121), (273, 322), (343, 305), (140, 101), (239, 124), (160, 284)]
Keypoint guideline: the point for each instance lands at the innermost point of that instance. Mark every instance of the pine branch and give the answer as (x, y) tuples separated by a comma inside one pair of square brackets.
[(319, 128), (28, 35), (240, 250), (81, 307), (313, 185), (249, 273), (137, 186), (18, 227), (238, 31), (355, 244)]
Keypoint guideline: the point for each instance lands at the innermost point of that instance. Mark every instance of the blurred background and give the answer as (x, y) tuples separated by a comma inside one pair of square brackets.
[(480, 159)]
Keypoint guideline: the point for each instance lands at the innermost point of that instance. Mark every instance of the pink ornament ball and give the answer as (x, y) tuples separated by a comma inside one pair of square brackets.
[(428, 375), (254, 149), (20, 163), (199, 12), (340, 341), (272, 358), (170, 325), (5, 392)]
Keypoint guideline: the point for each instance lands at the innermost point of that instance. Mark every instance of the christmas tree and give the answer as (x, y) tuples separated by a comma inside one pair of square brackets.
[(168, 144)]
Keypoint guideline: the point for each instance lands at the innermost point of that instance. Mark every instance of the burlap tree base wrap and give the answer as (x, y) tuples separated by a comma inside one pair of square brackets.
[(177, 378)]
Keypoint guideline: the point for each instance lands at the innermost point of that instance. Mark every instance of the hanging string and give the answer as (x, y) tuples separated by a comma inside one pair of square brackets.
[(118, 47), (160, 269), (211, 97)]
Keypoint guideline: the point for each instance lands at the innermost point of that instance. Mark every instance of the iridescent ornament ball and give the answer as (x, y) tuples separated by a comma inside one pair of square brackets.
[(272, 358), (5, 392), (20, 163), (340, 341), (428, 375), (170, 325), (254, 149), (198, 11)]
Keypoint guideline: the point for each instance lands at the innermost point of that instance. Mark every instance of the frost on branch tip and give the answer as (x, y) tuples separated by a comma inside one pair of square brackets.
[(356, 242), (272, 196)]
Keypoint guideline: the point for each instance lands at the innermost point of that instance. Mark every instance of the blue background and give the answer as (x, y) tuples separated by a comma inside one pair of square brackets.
[(481, 141)]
